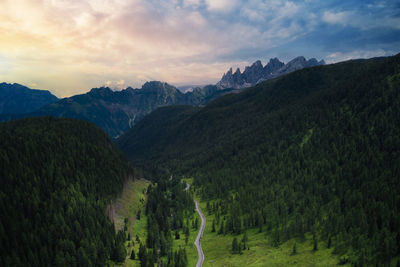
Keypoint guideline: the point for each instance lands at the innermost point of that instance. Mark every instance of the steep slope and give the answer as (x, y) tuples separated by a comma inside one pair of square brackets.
[(257, 73), (57, 176), (18, 99), (317, 150), (115, 112)]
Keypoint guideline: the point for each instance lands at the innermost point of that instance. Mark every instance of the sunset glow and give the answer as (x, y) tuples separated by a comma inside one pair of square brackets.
[(70, 46)]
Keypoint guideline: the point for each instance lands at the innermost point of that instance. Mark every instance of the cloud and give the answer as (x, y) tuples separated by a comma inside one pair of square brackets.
[(362, 19), (191, 3), (221, 5), (341, 18), (73, 45), (340, 56)]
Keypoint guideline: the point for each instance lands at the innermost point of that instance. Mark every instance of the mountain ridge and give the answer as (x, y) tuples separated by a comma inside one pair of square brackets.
[(18, 99), (256, 72), (117, 111)]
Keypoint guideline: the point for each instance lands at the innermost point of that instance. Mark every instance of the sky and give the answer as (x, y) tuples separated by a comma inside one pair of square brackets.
[(71, 46)]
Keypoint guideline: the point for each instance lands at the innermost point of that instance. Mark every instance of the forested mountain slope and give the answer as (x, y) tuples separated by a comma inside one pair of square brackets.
[(57, 176), (317, 150), (116, 111)]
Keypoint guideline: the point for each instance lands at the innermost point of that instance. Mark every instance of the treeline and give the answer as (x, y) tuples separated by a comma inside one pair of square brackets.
[(57, 176), (314, 151), (168, 204)]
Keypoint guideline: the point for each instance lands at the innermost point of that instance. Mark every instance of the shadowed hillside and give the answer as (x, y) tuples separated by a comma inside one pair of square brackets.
[(315, 151)]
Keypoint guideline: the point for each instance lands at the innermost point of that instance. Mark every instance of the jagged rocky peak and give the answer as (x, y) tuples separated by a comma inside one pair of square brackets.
[(273, 65), (297, 63), (253, 73), (157, 86), (101, 91), (257, 72)]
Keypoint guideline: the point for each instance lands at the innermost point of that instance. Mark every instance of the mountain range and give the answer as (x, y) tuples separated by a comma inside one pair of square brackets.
[(117, 111), (257, 73)]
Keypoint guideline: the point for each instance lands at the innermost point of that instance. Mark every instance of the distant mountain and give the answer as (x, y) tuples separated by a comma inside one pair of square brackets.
[(257, 72), (19, 99), (117, 111), (189, 87)]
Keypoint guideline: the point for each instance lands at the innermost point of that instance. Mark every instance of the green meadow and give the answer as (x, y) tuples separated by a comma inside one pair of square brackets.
[(260, 252), (132, 200)]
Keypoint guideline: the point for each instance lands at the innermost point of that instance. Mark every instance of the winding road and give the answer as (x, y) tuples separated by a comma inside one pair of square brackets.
[(197, 242)]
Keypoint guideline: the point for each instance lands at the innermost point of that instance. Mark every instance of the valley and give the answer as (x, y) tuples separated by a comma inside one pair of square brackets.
[(300, 169), (297, 156), (199, 133)]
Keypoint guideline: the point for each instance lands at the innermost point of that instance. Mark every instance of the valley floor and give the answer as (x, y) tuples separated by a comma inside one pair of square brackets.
[(218, 249)]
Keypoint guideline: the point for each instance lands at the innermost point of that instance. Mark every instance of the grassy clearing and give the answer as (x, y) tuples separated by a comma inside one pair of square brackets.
[(132, 200), (217, 250)]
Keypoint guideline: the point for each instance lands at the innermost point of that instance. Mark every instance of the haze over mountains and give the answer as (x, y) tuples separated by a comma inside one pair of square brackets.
[(117, 111)]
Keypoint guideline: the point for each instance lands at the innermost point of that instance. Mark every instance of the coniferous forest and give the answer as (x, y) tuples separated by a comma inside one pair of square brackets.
[(168, 210), (57, 177), (316, 151)]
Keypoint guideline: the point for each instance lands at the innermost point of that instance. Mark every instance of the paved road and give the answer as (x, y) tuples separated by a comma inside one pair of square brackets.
[(197, 242)]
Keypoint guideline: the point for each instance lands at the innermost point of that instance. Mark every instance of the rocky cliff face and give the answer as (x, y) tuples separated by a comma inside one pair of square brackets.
[(257, 72)]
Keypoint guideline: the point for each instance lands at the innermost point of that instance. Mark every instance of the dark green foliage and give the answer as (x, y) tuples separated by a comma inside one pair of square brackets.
[(235, 245), (57, 176), (177, 259), (118, 252), (315, 246), (294, 250), (315, 150), (329, 244), (244, 240), (167, 206), (213, 226), (133, 254)]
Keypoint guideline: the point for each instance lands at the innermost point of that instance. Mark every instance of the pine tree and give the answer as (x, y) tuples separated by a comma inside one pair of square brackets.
[(329, 242), (294, 250), (315, 248), (244, 240), (234, 245), (221, 229), (142, 253)]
